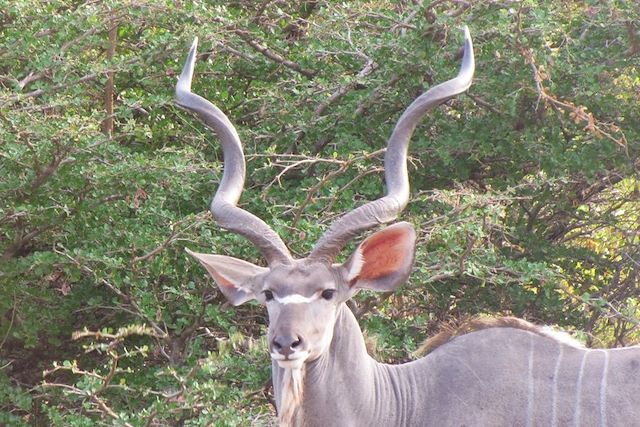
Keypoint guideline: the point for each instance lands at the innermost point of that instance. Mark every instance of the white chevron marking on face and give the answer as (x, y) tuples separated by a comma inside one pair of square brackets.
[(295, 299)]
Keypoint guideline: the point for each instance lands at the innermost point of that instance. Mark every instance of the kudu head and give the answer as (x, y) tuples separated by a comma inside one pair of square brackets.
[(302, 296)]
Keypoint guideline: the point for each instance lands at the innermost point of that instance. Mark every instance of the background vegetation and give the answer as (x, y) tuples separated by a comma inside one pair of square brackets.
[(525, 190)]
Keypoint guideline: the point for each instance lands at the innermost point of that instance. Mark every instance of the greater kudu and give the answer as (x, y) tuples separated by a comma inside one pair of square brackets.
[(322, 374)]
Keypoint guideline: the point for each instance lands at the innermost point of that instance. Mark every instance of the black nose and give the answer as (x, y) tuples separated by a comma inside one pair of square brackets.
[(286, 345)]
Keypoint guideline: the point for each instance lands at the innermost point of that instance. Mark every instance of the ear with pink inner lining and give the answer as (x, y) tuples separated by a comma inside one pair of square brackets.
[(233, 276), (384, 260)]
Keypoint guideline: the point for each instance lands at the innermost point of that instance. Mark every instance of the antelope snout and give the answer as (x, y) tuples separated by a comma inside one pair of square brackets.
[(287, 345), (290, 351)]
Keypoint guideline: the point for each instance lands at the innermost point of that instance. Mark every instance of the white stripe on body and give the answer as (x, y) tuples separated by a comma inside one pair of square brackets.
[(531, 399), (603, 390), (554, 397), (577, 412)]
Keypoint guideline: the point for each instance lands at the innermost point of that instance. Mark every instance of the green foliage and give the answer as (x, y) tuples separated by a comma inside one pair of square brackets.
[(525, 190)]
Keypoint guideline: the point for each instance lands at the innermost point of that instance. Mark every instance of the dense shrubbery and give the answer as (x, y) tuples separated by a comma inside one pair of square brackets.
[(525, 190)]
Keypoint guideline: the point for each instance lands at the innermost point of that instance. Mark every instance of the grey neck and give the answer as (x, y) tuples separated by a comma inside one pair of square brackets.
[(346, 387)]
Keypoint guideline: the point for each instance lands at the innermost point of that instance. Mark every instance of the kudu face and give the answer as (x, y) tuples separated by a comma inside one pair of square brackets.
[(302, 296), (301, 301)]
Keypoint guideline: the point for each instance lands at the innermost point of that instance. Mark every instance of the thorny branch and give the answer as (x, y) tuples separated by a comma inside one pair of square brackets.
[(369, 67), (375, 96), (289, 162), (61, 250), (106, 381), (577, 113), (247, 38), (38, 92), (341, 91), (343, 166), (176, 232)]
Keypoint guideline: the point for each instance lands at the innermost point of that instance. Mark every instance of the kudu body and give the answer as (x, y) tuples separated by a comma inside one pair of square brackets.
[(322, 374)]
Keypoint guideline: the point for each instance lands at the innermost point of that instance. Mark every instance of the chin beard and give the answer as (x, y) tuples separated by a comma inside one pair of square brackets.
[(292, 393)]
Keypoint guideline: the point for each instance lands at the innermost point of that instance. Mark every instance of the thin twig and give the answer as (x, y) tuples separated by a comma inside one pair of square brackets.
[(175, 234)]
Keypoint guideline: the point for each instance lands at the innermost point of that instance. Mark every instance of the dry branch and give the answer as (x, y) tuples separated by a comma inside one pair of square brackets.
[(175, 235), (340, 92), (577, 113), (275, 57)]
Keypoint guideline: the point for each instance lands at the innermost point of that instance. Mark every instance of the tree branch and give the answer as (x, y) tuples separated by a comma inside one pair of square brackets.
[(246, 37), (341, 91)]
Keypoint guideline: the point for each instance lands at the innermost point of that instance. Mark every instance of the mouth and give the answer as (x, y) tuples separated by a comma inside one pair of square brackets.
[(294, 361)]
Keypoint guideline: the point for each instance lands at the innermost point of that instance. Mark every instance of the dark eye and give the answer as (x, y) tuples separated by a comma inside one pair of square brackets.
[(268, 295), (328, 294)]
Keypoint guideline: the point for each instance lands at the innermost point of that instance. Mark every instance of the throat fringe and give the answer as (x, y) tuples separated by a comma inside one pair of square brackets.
[(291, 401)]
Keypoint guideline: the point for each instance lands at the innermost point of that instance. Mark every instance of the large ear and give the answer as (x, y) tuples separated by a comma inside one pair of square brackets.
[(233, 276), (383, 261)]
